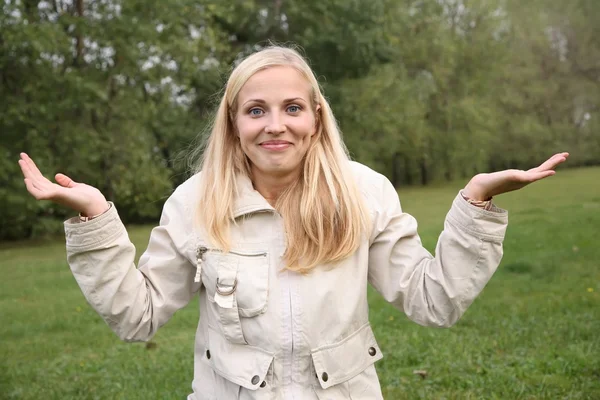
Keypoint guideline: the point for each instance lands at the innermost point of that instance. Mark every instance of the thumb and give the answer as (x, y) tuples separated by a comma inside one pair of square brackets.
[(65, 181)]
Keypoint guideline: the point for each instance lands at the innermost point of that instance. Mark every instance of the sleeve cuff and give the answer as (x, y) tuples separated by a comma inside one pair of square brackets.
[(95, 233), (488, 225)]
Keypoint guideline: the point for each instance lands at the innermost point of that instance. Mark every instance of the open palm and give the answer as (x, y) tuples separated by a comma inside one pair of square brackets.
[(77, 196), (485, 186)]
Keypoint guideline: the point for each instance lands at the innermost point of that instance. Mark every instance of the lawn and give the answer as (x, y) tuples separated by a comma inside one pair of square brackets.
[(534, 333)]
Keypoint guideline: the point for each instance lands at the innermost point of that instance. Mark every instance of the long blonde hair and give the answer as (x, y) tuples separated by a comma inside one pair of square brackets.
[(324, 215)]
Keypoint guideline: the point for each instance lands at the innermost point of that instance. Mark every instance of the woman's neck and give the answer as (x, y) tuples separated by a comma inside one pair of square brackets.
[(271, 186)]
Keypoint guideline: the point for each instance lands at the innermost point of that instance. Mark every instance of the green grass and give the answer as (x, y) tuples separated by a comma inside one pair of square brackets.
[(534, 333)]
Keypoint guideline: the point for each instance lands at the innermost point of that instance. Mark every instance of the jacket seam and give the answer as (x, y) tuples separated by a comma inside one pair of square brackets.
[(480, 235), (95, 244)]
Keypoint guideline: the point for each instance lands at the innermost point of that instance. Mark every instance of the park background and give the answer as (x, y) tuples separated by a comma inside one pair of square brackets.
[(117, 94)]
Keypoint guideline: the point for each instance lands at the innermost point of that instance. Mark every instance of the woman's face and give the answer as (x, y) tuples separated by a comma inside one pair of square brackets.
[(275, 121)]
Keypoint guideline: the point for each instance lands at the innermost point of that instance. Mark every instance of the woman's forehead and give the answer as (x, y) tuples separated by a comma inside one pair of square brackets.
[(280, 82)]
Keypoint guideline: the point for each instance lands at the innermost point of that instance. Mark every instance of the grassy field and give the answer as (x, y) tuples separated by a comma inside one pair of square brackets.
[(534, 333)]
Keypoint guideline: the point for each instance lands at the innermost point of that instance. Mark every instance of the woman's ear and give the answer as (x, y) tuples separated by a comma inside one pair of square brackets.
[(317, 119)]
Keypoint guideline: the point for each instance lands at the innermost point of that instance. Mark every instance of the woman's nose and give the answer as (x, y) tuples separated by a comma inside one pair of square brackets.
[(275, 125)]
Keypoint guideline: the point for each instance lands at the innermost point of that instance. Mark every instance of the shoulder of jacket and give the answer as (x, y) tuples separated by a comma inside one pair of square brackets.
[(190, 184), (180, 208), (368, 180), (187, 192)]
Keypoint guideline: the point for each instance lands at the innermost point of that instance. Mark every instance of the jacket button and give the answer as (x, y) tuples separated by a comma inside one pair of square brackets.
[(372, 351), (324, 377), (208, 354), (263, 384), (255, 379)]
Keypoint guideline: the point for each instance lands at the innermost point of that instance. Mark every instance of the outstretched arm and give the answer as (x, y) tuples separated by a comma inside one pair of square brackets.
[(436, 291), (133, 302)]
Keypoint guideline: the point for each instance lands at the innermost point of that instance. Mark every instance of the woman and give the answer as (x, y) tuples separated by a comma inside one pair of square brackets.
[(280, 233)]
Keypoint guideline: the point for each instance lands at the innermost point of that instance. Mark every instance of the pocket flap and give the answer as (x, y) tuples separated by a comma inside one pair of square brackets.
[(341, 361), (248, 270), (244, 365)]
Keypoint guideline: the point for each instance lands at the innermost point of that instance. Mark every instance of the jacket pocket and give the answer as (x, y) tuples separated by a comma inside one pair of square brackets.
[(243, 370), (345, 370), (237, 285)]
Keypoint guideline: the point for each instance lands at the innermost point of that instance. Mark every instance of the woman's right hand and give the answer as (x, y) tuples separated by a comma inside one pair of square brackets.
[(82, 198)]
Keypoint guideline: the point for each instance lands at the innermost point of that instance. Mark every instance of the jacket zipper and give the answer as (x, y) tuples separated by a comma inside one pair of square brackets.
[(203, 250)]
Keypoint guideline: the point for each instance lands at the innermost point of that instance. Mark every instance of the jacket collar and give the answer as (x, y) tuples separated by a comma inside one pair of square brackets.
[(248, 200)]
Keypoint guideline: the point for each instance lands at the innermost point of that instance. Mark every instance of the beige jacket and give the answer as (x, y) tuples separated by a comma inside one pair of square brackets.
[(267, 334)]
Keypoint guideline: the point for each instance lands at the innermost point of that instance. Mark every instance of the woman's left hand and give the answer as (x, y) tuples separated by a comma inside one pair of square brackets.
[(486, 186)]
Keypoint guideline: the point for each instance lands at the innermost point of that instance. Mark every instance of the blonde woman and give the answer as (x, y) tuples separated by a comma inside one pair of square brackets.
[(280, 233)]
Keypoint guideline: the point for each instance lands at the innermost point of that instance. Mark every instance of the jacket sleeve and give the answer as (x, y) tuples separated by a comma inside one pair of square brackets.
[(134, 302), (434, 291)]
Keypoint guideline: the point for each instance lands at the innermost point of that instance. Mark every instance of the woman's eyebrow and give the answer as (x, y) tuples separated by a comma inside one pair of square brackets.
[(261, 101), (293, 99)]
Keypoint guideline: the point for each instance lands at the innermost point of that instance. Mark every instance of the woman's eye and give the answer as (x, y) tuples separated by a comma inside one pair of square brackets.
[(255, 112), (293, 109)]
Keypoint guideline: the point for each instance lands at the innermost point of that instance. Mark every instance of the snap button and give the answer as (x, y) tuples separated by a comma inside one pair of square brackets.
[(255, 379), (263, 384), (208, 354), (324, 377), (372, 351)]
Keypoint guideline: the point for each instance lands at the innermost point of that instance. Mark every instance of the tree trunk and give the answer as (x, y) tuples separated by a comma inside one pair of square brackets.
[(79, 37)]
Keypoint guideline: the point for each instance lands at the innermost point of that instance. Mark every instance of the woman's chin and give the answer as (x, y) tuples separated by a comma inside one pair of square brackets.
[(278, 169)]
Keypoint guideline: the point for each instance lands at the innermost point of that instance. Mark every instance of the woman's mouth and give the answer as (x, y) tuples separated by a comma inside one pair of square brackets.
[(275, 145)]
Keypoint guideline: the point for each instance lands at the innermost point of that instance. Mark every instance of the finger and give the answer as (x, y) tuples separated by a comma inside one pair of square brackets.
[(549, 162), (26, 169), (29, 173), (32, 169), (536, 176), (552, 162), (34, 191), (65, 181), (34, 181), (558, 160), (43, 185)]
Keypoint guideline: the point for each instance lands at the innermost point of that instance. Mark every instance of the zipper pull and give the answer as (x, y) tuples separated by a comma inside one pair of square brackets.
[(199, 259)]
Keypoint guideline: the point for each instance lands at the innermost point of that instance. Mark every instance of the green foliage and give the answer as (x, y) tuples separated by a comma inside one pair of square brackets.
[(99, 91), (113, 93)]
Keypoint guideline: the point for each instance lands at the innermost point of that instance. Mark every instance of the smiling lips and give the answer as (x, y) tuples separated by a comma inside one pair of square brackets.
[(275, 145)]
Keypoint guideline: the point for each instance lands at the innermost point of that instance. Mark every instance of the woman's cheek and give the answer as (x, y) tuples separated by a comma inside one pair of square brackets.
[(305, 127), (249, 128)]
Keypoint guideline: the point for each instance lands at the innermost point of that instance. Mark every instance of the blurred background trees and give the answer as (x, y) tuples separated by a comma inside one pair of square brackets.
[(115, 93)]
